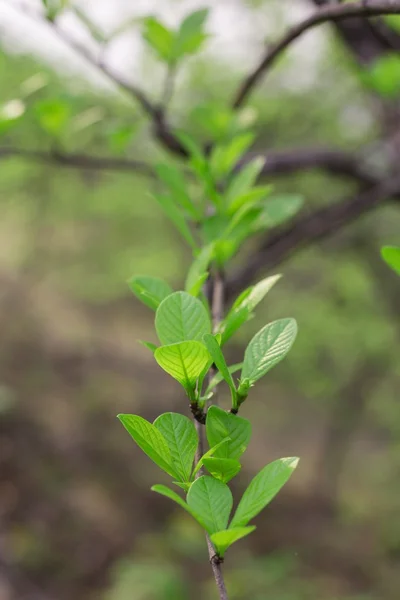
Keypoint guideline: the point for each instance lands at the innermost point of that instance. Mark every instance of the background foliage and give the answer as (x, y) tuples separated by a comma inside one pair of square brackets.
[(78, 518)]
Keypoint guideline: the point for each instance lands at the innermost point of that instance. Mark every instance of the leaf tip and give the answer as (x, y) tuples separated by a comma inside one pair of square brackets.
[(292, 461)]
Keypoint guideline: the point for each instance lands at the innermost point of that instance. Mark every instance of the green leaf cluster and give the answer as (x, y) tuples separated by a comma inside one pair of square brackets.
[(216, 204), (171, 442), (170, 45)]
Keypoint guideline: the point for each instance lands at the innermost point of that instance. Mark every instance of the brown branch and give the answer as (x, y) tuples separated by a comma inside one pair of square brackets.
[(330, 13), (310, 228), (367, 41), (162, 131), (334, 162), (80, 161)]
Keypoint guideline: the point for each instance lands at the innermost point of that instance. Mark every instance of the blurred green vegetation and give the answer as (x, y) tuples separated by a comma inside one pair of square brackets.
[(78, 518)]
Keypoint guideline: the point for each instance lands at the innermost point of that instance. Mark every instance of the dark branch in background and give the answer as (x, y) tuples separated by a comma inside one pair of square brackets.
[(308, 229), (333, 162), (331, 13), (80, 161), (367, 41)]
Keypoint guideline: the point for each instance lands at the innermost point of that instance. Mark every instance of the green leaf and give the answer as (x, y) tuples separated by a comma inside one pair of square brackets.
[(199, 268), (53, 115), (166, 491), (244, 180), (172, 211), (243, 307), (219, 359), (181, 317), (10, 114), (223, 469), (149, 345), (54, 7), (160, 38), (150, 290), (277, 210), (208, 454), (120, 136), (197, 287), (221, 425), (225, 157), (223, 539), (265, 485), (190, 35), (384, 75), (252, 197), (175, 180), (150, 440), (267, 348), (391, 255), (184, 361), (218, 377), (182, 439), (212, 501)]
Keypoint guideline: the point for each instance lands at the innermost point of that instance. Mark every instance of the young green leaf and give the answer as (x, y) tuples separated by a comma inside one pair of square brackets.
[(223, 469), (221, 425), (184, 361), (208, 454), (181, 317), (168, 493), (160, 38), (149, 346), (150, 290), (150, 440), (10, 114), (197, 287), (277, 210), (219, 359), (253, 196), (190, 35), (243, 307), (182, 439), (212, 501), (173, 212), (225, 157), (244, 180), (198, 268), (53, 115), (218, 377), (265, 485), (391, 255), (223, 539), (267, 348), (175, 180)]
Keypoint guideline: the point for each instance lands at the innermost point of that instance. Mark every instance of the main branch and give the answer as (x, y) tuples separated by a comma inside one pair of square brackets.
[(215, 289), (330, 13)]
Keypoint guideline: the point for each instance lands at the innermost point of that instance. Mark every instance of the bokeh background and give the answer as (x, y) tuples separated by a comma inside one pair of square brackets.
[(77, 517)]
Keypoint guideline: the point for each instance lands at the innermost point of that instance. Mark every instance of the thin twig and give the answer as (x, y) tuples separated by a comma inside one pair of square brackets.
[(169, 85), (330, 13), (162, 130), (80, 161)]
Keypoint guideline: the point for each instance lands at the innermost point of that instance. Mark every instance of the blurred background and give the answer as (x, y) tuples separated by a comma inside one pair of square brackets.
[(77, 517)]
